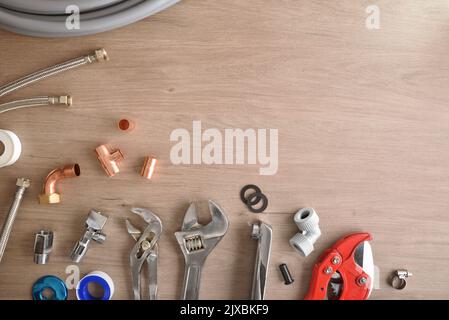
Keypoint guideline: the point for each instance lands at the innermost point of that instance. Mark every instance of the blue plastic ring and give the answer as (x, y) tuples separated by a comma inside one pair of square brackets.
[(53, 284), (82, 290)]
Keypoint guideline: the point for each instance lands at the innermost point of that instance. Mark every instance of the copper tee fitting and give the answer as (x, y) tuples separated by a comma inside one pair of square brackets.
[(148, 167), (109, 158), (50, 194)]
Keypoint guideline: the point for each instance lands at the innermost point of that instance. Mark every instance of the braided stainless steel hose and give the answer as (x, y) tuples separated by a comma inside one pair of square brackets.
[(65, 100), (97, 56), (22, 185)]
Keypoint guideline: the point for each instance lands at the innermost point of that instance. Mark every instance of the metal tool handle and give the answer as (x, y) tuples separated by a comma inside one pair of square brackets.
[(152, 273), (263, 233), (192, 279)]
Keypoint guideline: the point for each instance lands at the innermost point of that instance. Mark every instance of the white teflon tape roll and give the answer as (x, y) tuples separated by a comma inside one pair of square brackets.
[(100, 278), (12, 148)]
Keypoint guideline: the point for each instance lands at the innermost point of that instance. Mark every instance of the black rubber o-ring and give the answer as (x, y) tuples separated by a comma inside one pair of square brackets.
[(257, 190), (264, 202)]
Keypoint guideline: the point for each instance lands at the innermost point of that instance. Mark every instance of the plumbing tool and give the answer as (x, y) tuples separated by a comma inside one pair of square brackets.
[(49, 288), (263, 233), (100, 278), (94, 226), (345, 271), (22, 184), (196, 242), (43, 245), (12, 148), (145, 249), (307, 221), (49, 193), (399, 279)]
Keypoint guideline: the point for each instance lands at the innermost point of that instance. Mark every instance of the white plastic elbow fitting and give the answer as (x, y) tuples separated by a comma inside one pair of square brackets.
[(307, 221)]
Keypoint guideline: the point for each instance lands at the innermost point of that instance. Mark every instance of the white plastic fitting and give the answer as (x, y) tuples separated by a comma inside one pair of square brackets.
[(307, 221)]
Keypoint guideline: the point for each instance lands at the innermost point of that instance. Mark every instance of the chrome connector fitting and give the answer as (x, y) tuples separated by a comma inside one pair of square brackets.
[(94, 226), (43, 245)]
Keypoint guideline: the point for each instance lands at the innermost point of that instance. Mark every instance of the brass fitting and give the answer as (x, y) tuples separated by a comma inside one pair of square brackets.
[(50, 194), (109, 158), (98, 55), (64, 100), (148, 167)]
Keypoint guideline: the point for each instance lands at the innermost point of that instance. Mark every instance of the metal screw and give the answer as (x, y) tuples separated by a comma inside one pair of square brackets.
[(363, 280), (402, 274), (328, 270), (335, 260), (286, 274)]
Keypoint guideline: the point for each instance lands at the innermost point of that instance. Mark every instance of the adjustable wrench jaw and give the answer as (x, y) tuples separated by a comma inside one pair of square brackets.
[(145, 248), (196, 243)]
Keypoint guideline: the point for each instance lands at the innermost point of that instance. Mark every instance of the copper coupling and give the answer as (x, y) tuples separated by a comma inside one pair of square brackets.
[(148, 167), (126, 125), (109, 158), (50, 194)]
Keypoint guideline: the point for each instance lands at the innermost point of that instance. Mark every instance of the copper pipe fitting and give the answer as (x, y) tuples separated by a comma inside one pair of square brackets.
[(109, 158), (148, 167), (50, 194), (126, 125)]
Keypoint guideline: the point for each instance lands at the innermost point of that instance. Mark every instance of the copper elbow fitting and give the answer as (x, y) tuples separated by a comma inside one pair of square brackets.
[(50, 194), (109, 158), (148, 167)]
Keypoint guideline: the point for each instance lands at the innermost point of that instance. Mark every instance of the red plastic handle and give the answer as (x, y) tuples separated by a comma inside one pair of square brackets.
[(340, 257)]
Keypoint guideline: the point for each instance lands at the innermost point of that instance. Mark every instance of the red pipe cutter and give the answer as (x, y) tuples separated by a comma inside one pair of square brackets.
[(345, 271)]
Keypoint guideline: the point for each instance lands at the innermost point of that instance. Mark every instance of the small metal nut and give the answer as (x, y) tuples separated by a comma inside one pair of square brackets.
[(101, 55), (24, 183), (49, 199), (67, 100)]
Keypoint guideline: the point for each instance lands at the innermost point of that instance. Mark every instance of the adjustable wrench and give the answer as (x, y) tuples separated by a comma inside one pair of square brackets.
[(196, 242)]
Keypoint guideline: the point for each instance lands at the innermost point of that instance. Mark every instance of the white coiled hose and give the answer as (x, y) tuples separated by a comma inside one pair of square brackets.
[(47, 18)]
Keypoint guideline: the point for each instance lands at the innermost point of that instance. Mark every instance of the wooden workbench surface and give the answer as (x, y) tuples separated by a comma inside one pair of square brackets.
[(363, 126)]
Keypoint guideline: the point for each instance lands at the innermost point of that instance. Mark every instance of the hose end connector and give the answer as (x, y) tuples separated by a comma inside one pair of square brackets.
[(98, 55), (23, 183)]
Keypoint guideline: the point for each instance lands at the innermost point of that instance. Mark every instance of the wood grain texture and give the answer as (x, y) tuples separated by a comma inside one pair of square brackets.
[(363, 138)]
